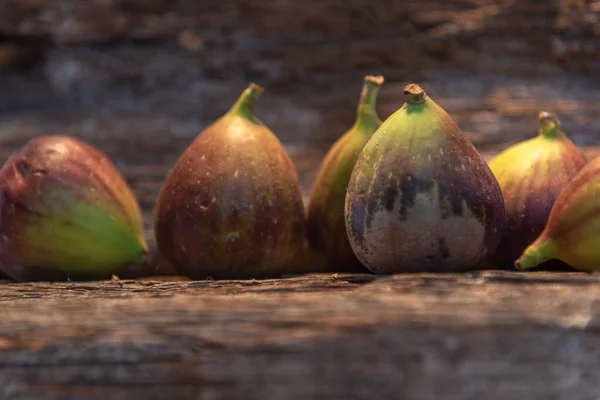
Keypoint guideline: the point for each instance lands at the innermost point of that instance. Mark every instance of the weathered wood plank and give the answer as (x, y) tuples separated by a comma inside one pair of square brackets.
[(481, 335)]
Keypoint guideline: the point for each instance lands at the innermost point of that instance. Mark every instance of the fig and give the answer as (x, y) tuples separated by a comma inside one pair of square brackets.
[(572, 232), (531, 175), (421, 198), (66, 212), (231, 206), (326, 223)]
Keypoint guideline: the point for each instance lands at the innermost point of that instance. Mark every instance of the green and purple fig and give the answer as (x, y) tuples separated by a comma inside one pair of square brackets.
[(572, 232), (231, 206), (326, 223), (66, 212), (421, 198), (531, 175)]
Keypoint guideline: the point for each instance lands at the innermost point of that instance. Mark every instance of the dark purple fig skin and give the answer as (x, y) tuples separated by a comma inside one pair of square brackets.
[(231, 207), (551, 161), (28, 182), (421, 198)]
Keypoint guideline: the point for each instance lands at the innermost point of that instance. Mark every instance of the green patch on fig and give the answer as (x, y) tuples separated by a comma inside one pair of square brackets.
[(73, 237), (421, 198), (326, 224)]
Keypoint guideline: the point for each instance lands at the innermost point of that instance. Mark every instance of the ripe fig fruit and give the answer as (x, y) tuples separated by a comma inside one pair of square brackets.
[(572, 232), (531, 175), (421, 198), (66, 212), (326, 224), (231, 206)]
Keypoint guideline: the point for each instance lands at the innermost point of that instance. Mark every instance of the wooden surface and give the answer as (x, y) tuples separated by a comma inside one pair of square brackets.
[(473, 336)]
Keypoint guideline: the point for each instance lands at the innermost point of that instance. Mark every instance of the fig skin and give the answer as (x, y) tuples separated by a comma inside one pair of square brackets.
[(572, 232), (231, 206), (326, 223), (66, 213), (531, 175), (421, 198)]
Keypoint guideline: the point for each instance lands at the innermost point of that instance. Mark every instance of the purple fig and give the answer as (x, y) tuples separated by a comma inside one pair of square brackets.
[(531, 175), (326, 224), (66, 212), (231, 206), (421, 198), (572, 232)]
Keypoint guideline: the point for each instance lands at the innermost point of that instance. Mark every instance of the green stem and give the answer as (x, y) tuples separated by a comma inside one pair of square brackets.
[(550, 125), (367, 105), (244, 106), (540, 251)]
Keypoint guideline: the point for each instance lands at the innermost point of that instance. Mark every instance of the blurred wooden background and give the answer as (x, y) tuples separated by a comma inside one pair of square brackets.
[(141, 78)]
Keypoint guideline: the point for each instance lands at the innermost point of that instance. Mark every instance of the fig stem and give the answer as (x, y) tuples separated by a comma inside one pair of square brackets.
[(244, 106), (540, 251), (414, 94), (550, 125), (367, 105)]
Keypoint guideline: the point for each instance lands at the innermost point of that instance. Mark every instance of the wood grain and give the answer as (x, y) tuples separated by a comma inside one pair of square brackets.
[(482, 335)]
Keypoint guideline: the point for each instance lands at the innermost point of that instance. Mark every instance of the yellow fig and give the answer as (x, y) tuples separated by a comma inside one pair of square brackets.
[(532, 174), (326, 224), (572, 232)]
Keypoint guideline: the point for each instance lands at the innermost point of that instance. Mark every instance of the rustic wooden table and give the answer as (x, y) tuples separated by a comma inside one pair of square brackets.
[(484, 335)]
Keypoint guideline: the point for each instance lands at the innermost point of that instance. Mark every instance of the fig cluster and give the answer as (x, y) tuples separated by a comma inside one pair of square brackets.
[(408, 193)]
